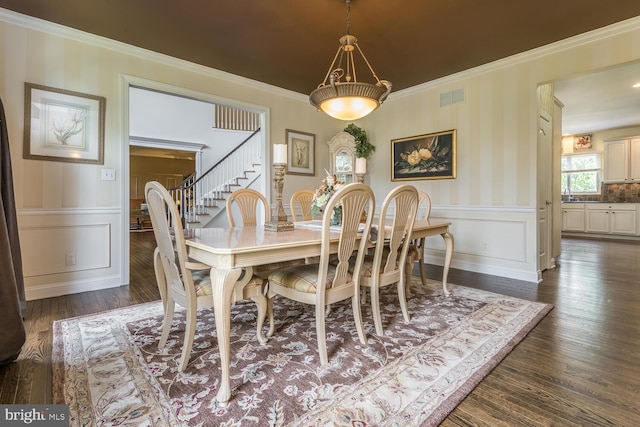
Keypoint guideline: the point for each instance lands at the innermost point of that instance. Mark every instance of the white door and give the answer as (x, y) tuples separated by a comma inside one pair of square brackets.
[(545, 194)]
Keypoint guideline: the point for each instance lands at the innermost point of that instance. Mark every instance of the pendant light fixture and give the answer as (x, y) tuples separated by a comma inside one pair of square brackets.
[(341, 95)]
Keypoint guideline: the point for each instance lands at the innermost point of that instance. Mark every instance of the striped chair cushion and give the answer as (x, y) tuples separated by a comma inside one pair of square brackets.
[(367, 263), (265, 268), (202, 282), (302, 279)]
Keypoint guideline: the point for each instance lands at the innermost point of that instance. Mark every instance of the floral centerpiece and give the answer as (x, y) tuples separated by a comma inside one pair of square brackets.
[(327, 188)]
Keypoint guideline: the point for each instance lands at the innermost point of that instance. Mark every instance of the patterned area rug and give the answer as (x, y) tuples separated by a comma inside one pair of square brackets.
[(108, 369)]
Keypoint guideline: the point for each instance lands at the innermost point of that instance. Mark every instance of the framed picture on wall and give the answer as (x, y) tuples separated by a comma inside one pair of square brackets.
[(429, 156), (301, 153), (582, 142), (63, 126)]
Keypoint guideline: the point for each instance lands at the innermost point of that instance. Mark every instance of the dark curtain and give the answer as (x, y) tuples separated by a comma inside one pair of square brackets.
[(12, 299)]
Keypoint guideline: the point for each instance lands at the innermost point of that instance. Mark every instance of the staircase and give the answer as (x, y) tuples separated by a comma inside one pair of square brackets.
[(202, 199)]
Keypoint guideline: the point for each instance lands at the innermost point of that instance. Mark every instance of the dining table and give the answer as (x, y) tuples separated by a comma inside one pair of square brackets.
[(236, 251)]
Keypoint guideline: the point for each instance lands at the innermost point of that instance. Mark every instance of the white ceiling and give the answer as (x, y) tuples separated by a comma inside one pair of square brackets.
[(601, 100)]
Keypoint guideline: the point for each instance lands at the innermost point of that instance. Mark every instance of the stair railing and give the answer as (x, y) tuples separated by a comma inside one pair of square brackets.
[(196, 192)]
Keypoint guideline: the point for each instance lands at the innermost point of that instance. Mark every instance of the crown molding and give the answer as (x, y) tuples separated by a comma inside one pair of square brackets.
[(38, 24), (149, 55), (632, 24)]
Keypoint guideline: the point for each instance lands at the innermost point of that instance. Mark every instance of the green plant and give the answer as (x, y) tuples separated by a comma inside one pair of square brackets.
[(363, 147)]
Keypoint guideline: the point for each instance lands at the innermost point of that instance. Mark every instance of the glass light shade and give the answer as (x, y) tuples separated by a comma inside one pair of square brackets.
[(349, 101), (348, 107)]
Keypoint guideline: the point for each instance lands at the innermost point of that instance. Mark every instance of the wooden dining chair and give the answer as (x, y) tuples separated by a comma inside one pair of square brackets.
[(302, 199), (250, 204), (386, 263), (183, 281), (324, 283), (416, 250)]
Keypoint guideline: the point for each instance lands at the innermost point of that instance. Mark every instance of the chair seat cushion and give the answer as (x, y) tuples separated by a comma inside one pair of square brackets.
[(277, 265), (367, 263), (202, 282), (302, 279)]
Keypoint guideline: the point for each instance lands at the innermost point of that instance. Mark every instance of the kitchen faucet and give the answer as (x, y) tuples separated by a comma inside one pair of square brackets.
[(567, 190)]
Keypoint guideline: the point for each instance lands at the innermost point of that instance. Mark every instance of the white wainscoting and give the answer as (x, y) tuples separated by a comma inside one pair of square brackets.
[(497, 241), (68, 251)]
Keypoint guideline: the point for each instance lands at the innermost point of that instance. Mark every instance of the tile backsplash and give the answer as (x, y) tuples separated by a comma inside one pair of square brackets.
[(621, 193), (611, 193)]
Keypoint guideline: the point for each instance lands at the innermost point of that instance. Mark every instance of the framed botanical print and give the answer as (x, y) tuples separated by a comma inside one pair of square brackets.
[(582, 142), (301, 153), (63, 126)]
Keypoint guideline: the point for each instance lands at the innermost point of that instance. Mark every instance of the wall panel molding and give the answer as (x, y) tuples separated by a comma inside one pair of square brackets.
[(488, 240)]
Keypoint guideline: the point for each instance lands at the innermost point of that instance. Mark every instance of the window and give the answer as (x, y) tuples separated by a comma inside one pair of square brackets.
[(581, 174)]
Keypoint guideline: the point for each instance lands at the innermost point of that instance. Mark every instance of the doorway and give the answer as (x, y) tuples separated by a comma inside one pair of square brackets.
[(167, 131)]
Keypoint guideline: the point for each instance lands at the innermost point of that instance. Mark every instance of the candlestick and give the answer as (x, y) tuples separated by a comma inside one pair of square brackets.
[(279, 220), (361, 168), (280, 154)]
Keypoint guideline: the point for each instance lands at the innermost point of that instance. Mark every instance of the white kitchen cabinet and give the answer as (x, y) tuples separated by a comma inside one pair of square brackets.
[(573, 217), (622, 160), (634, 159), (611, 218)]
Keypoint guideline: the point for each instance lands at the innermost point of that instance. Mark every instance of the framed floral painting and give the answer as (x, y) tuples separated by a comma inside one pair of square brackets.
[(429, 156), (63, 126), (582, 142)]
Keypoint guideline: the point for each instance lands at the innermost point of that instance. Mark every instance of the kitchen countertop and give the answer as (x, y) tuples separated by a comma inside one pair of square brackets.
[(593, 201)]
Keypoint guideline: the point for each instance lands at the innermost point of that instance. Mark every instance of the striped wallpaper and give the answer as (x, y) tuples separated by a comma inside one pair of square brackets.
[(496, 126)]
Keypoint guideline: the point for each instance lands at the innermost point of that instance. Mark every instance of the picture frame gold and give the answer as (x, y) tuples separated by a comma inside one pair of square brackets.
[(428, 156), (62, 125), (301, 153)]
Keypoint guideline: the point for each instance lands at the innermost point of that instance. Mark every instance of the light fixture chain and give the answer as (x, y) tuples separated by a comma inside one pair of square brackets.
[(348, 16)]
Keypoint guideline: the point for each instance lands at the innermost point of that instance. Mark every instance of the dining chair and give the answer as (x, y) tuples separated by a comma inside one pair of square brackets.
[(248, 202), (251, 204), (302, 199), (324, 283), (386, 264), (416, 250), (183, 281)]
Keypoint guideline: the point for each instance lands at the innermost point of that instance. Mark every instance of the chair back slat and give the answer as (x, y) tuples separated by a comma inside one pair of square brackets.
[(302, 199), (356, 200), (169, 234), (250, 204), (404, 201)]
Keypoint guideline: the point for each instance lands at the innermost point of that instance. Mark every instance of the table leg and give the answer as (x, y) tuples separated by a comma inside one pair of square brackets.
[(223, 282), (448, 240)]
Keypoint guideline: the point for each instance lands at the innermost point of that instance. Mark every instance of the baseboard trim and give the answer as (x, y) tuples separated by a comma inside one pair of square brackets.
[(51, 290)]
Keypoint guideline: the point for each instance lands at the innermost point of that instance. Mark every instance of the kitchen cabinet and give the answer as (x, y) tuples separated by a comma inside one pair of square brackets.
[(622, 160), (611, 218), (634, 159), (573, 217)]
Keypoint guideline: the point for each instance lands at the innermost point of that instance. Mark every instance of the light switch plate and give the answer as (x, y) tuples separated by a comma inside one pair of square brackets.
[(108, 174)]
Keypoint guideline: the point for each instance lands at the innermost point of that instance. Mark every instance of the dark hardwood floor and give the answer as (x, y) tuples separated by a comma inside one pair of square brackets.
[(579, 367)]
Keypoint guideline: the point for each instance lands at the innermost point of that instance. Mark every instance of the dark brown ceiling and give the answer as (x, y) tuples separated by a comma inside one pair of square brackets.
[(290, 43)]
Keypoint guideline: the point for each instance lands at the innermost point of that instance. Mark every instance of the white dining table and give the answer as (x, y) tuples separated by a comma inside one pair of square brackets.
[(231, 251)]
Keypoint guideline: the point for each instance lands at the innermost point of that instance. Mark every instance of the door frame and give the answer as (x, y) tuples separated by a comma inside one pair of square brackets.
[(127, 82), (544, 213)]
